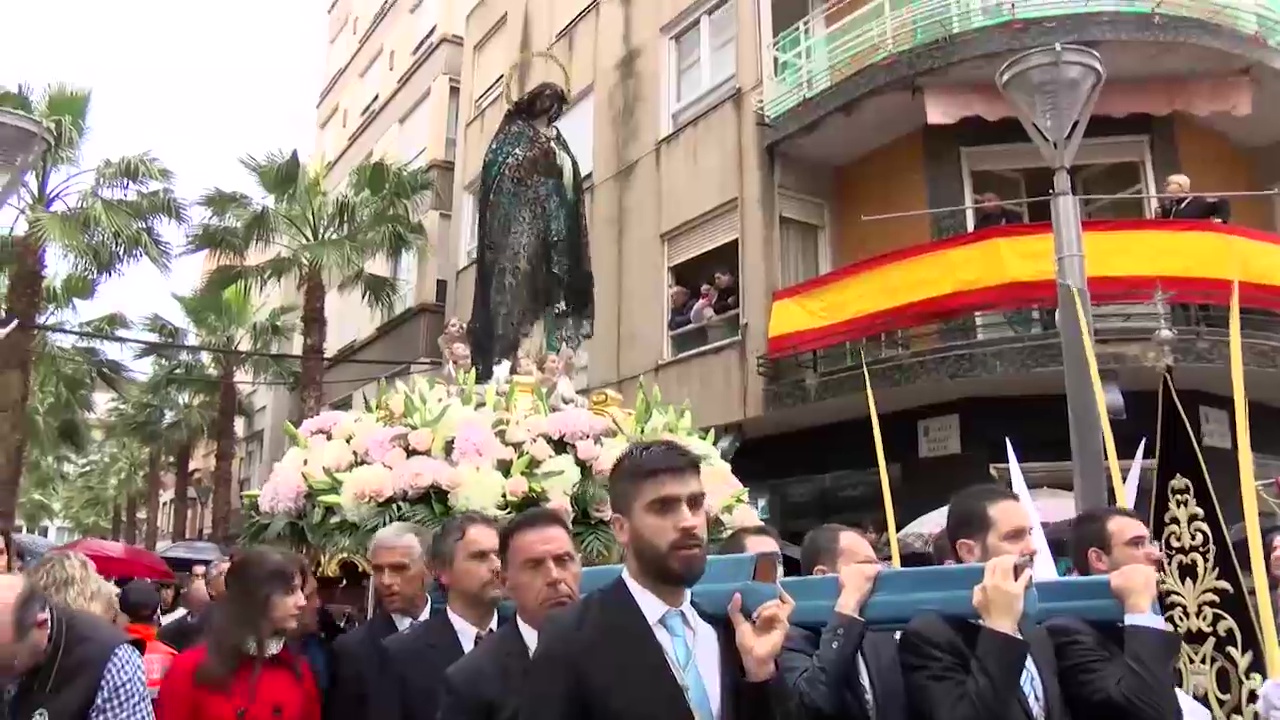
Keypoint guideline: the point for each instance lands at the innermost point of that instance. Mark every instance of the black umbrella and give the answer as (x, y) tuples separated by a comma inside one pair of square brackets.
[(191, 551)]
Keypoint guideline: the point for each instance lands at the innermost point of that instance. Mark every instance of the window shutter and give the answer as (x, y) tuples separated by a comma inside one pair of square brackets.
[(707, 234), (802, 209)]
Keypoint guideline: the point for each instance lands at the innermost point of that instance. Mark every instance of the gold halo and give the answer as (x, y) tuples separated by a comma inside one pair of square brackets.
[(528, 58)]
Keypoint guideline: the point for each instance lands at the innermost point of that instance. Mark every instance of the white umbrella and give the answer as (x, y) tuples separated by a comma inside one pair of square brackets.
[(1055, 506)]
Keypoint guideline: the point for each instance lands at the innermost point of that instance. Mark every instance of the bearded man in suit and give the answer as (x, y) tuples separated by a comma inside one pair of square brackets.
[(638, 649)]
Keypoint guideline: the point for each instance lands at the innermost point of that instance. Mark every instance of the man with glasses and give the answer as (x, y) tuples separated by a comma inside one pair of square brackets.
[(1118, 670), (844, 671)]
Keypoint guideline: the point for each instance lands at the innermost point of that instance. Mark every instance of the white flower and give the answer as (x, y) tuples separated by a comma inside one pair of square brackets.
[(479, 489), (559, 475)]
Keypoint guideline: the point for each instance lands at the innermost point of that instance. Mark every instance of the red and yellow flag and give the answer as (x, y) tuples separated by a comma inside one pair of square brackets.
[(1013, 266)]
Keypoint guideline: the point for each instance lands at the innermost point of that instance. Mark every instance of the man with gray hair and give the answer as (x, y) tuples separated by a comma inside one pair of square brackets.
[(363, 684), (1185, 206)]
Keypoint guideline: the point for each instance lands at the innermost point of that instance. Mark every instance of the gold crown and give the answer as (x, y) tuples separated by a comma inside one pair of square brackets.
[(527, 59)]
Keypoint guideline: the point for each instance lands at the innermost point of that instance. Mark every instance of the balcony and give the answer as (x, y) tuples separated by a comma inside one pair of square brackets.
[(979, 308), (845, 37)]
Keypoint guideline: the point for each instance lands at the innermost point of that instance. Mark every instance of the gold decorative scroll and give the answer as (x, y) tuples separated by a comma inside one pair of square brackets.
[(608, 404), (1215, 666), (330, 564)]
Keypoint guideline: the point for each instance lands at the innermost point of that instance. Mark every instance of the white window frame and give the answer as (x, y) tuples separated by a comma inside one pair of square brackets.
[(489, 95), (668, 277), (469, 244), (585, 104), (824, 245), (452, 111), (714, 89), (404, 270)]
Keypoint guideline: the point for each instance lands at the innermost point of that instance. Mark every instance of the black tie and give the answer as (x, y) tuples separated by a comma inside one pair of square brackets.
[(481, 635)]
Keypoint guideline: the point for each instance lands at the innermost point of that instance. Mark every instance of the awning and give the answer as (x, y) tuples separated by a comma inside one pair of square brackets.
[(1012, 267)]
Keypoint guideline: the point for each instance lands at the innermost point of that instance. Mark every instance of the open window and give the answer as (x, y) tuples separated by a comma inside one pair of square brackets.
[(703, 293)]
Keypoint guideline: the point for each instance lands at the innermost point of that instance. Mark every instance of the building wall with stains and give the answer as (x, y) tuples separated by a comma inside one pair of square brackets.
[(673, 167)]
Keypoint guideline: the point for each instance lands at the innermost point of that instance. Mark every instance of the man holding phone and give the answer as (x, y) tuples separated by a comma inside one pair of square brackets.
[(844, 671), (997, 668)]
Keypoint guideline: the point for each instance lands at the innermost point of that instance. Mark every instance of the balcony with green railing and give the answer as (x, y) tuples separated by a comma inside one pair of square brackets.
[(846, 36)]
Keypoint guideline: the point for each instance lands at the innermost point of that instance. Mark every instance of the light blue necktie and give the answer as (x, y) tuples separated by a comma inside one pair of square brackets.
[(687, 667), (1032, 689)]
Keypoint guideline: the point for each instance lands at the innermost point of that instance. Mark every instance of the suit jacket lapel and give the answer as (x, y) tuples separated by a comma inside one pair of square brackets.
[(381, 625), (629, 644), (513, 663), (730, 664), (441, 635), (1047, 666)]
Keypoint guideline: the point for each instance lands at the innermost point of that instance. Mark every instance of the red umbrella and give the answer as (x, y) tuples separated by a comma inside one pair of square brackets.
[(117, 560)]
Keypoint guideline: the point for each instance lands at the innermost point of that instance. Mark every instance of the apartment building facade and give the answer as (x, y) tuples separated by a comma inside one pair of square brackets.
[(765, 138), (663, 127)]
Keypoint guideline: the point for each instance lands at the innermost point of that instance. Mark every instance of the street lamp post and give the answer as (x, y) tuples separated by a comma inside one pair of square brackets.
[(22, 139), (1053, 90)]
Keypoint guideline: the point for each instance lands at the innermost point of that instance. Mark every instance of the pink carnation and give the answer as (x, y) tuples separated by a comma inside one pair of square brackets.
[(380, 441), (418, 474), (517, 486), (539, 450), (322, 423), (284, 493), (574, 424), (476, 443), (586, 450)]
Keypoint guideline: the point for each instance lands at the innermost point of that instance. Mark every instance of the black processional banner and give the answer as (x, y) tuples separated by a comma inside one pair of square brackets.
[(1203, 592)]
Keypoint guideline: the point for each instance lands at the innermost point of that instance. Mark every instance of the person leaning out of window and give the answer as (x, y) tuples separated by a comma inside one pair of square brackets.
[(1185, 206)]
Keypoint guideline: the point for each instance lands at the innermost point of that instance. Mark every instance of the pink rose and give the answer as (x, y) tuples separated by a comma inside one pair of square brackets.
[(395, 457), (420, 440), (539, 450), (586, 450), (562, 506), (449, 480), (517, 486)]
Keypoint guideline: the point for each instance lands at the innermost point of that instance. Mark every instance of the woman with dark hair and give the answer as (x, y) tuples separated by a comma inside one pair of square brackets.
[(244, 670)]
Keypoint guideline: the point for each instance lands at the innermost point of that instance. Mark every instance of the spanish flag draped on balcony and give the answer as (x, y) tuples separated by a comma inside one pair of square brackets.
[(1012, 266)]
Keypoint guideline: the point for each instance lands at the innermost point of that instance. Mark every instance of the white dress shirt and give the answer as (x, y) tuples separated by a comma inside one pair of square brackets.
[(466, 631), (706, 644), (404, 622), (528, 633)]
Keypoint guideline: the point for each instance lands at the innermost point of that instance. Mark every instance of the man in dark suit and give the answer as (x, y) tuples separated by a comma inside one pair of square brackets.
[(638, 649), (998, 668), (541, 572), (361, 682), (1185, 206), (844, 671), (464, 557), (1110, 670)]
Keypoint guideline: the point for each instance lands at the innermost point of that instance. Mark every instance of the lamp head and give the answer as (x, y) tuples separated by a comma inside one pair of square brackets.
[(1053, 90)]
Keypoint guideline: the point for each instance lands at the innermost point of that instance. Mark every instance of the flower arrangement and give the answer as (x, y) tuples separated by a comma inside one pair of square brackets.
[(424, 451)]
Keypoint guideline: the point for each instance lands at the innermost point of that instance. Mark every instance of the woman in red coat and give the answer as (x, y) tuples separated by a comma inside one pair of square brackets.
[(243, 670)]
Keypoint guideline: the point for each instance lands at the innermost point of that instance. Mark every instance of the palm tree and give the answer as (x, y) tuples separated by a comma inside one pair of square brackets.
[(313, 238), (66, 371), (241, 338), (100, 220), (188, 389)]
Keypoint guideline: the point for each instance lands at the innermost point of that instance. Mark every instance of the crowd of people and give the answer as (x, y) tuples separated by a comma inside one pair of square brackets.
[(247, 640)]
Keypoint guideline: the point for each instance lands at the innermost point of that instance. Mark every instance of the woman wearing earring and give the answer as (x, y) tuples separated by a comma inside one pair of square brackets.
[(244, 670)]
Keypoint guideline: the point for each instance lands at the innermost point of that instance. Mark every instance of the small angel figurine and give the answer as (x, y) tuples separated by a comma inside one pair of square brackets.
[(556, 371), (455, 331), (459, 357)]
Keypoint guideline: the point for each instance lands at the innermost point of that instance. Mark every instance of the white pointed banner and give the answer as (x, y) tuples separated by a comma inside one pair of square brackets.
[(1134, 476), (1044, 568)]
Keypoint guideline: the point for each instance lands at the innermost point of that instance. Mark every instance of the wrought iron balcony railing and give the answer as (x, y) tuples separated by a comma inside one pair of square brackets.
[(845, 36)]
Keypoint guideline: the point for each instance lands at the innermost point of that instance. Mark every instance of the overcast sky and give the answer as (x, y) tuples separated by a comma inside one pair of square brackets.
[(198, 83)]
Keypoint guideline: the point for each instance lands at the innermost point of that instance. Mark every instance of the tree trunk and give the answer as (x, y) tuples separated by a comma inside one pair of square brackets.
[(131, 518), (116, 521), (224, 455), (181, 486), (311, 383), (152, 531), (25, 293)]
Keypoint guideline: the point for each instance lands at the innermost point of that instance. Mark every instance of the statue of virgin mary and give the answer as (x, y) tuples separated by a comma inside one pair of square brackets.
[(533, 268)]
